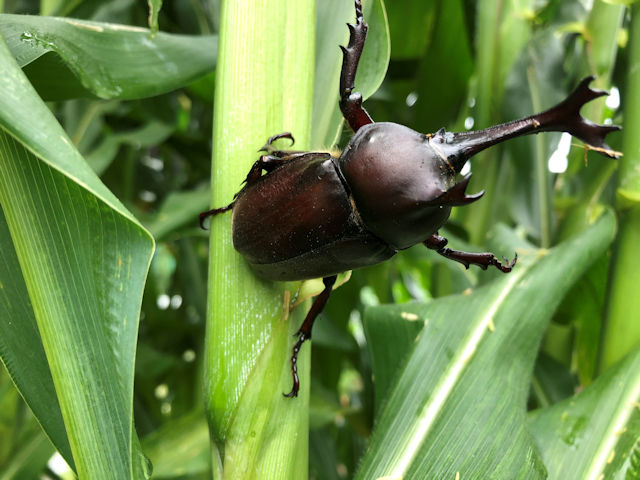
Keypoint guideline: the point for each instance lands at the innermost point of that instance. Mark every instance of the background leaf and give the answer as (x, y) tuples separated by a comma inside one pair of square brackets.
[(594, 434), (180, 447), (78, 249), (70, 58), (452, 64), (464, 381)]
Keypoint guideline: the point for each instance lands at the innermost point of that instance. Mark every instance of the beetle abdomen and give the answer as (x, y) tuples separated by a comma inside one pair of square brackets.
[(331, 259), (298, 222)]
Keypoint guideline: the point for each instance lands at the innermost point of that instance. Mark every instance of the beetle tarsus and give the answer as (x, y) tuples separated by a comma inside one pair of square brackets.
[(505, 267), (483, 260), (213, 212), (350, 101), (304, 332), (269, 148), (294, 365)]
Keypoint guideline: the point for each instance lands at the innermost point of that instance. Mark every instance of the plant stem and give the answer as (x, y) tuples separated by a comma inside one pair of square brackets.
[(541, 173), (622, 329), (501, 32), (264, 86), (600, 36)]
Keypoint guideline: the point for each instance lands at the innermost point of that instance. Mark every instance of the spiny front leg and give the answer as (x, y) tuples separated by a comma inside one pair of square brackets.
[(304, 333), (350, 101), (482, 260)]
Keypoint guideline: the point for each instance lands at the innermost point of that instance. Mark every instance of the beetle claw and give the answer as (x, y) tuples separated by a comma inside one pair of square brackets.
[(267, 147), (506, 265)]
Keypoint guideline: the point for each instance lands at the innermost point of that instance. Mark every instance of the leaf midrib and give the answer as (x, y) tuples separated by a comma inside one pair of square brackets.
[(600, 459), (450, 377)]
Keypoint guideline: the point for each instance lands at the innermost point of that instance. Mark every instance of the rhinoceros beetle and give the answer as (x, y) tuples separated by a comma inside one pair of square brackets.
[(316, 215)]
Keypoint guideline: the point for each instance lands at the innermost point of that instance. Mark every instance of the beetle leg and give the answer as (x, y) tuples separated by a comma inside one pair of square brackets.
[(482, 260), (268, 146), (350, 101), (268, 163), (304, 332), (213, 212)]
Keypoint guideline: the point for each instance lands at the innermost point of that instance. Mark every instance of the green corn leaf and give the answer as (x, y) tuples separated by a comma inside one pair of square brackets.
[(70, 58), (593, 435), (457, 406), (179, 210), (73, 265), (620, 334)]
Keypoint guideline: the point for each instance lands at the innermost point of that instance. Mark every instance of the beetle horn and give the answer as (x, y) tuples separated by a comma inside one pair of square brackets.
[(564, 117), (456, 196)]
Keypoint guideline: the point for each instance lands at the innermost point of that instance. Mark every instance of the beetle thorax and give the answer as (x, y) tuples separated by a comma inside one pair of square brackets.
[(394, 174)]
